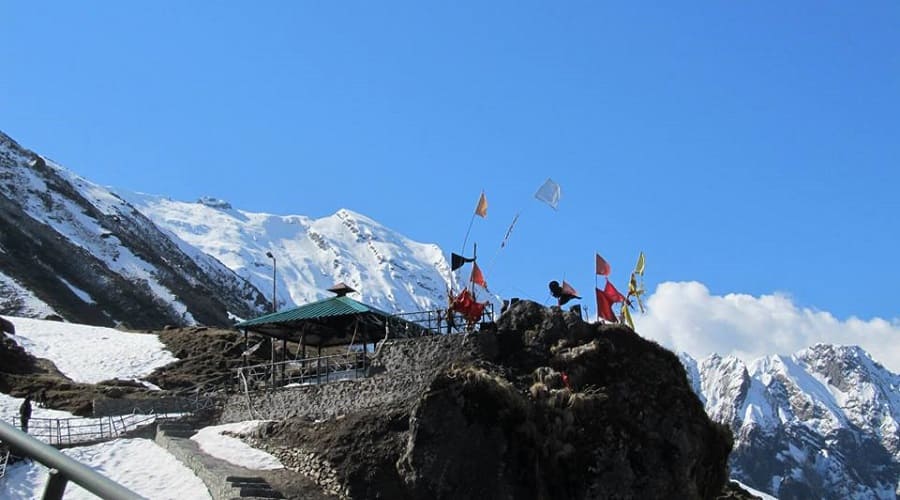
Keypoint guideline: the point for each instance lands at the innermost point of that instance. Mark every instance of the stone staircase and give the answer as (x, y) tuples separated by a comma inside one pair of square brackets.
[(253, 487), (225, 481)]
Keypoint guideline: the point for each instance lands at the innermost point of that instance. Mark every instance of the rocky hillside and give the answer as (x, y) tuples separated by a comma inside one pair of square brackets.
[(546, 407), (73, 249), (823, 423)]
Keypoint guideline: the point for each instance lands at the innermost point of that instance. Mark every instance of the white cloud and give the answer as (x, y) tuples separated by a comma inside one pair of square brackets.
[(685, 317)]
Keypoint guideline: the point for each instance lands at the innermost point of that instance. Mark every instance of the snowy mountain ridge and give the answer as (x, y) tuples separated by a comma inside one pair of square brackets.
[(828, 415), (388, 270), (73, 249), (87, 254)]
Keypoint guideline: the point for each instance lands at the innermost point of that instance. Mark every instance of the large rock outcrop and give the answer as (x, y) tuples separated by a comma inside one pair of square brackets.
[(548, 406)]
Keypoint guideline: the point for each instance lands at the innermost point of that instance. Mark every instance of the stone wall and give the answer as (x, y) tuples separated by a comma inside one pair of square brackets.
[(205, 467), (400, 370), (113, 407)]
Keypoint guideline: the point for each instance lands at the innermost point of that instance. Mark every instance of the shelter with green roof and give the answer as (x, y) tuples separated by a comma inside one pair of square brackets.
[(335, 321), (338, 320)]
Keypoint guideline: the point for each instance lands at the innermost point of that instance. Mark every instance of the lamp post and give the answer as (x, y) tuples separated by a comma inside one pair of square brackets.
[(274, 283), (274, 310)]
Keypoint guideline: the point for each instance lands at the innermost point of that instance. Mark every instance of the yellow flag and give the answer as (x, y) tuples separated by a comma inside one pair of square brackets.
[(626, 315), (636, 290), (639, 268), (481, 209)]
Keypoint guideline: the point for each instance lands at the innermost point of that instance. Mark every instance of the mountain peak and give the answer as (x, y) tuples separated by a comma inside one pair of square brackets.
[(211, 202), (824, 422)]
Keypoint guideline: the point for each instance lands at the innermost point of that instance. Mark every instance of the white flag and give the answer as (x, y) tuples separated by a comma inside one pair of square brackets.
[(549, 193)]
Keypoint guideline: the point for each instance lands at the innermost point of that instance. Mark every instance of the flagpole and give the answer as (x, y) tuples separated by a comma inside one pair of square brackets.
[(474, 263), (466, 240)]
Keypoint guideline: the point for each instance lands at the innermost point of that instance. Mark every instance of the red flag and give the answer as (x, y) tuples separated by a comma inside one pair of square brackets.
[(604, 307), (477, 277), (465, 304), (568, 290), (565, 379), (462, 302), (475, 311), (612, 294), (603, 268)]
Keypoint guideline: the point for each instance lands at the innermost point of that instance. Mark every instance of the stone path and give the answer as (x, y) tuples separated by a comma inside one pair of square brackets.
[(224, 480)]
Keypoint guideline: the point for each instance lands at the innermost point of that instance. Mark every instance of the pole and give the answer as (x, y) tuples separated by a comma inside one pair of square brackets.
[(274, 282), (68, 468), (274, 310)]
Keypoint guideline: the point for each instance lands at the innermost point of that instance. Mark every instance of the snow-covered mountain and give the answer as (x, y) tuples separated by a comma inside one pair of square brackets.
[(822, 423), (73, 249), (388, 270), (76, 250)]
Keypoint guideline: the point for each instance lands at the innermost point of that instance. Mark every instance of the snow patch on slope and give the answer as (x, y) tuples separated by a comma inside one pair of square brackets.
[(91, 354), (213, 441), (19, 300), (81, 294)]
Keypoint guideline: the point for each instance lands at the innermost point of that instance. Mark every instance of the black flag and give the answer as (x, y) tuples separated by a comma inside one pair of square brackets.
[(457, 261), (563, 293)]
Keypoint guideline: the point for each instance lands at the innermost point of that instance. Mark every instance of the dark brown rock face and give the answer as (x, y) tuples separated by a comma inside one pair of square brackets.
[(546, 407), (568, 410)]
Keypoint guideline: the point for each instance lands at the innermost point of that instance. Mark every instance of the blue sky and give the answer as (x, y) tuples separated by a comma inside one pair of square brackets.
[(750, 146)]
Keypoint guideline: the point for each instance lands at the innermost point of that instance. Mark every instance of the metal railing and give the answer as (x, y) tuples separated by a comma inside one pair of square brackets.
[(75, 430), (308, 371), (4, 460), (446, 321), (64, 431), (62, 468)]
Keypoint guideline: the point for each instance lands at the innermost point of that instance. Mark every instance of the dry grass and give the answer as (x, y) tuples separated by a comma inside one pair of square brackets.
[(500, 389)]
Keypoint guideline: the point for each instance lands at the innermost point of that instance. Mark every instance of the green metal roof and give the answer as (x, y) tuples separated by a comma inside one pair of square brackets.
[(326, 308)]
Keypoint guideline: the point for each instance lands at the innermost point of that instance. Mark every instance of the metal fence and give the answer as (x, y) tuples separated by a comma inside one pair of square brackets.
[(307, 371), (440, 321), (62, 468), (4, 459), (75, 430)]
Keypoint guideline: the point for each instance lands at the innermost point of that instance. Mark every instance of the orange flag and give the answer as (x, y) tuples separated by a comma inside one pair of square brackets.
[(603, 268), (481, 209), (477, 277)]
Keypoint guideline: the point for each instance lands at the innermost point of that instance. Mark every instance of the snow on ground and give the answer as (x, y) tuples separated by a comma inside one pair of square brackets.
[(91, 354), (138, 464), (233, 450), (30, 305), (764, 496), (81, 294), (9, 410), (56, 426)]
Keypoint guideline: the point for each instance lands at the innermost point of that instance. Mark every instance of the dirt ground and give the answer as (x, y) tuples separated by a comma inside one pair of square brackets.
[(207, 357)]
